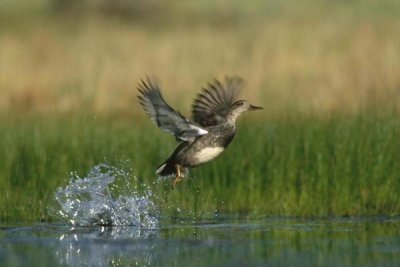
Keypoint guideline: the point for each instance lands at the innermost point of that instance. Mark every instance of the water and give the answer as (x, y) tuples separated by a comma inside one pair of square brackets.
[(262, 242), (109, 222)]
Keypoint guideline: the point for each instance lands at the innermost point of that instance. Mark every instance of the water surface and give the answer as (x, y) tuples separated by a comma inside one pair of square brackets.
[(222, 242)]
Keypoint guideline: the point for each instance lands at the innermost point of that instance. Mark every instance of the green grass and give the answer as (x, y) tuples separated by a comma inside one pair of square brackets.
[(337, 156), (286, 165)]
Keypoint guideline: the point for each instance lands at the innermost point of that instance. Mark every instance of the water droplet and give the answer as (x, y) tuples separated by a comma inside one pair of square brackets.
[(97, 200)]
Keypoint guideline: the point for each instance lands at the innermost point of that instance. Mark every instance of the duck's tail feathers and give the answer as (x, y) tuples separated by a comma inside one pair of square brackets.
[(166, 169)]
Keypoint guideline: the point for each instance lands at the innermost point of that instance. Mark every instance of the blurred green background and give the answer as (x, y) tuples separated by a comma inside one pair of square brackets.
[(326, 72)]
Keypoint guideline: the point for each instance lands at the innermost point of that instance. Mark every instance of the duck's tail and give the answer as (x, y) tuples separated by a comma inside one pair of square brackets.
[(166, 169)]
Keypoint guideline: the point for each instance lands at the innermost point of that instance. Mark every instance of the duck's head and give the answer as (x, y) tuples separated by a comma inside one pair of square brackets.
[(239, 107)]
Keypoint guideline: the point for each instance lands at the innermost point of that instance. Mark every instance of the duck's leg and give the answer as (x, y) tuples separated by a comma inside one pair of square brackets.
[(178, 176)]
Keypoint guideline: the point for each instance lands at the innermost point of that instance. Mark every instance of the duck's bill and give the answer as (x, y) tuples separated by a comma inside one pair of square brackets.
[(255, 107)]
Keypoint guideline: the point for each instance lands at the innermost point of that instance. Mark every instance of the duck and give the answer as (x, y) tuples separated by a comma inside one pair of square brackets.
[(207, 134)]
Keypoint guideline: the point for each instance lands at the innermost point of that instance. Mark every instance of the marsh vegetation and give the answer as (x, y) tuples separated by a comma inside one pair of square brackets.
[(327, 74)]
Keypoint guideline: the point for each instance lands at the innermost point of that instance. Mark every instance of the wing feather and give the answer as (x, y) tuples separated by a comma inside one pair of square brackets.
[(166, 118), (213, 104)]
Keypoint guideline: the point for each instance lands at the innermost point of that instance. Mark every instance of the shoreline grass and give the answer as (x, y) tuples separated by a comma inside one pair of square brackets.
[(300, 166), (326, 143)]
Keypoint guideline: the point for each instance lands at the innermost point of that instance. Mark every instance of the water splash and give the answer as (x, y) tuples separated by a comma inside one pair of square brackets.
[(98, 199)]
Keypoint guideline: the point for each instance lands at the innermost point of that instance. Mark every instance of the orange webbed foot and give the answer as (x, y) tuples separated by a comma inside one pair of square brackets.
[(178, 176)]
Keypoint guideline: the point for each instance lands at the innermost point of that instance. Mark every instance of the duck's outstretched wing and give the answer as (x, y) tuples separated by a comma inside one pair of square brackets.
[(163, 115), (213, 104)]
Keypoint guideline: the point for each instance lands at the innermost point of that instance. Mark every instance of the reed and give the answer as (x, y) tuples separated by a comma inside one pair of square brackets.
[(289, 166), (326, 143)]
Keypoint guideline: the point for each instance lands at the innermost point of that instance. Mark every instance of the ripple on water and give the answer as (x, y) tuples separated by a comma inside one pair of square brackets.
[(97, 199)]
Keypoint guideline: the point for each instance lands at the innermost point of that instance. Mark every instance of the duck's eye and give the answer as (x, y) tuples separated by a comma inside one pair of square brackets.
[(239, 103)]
